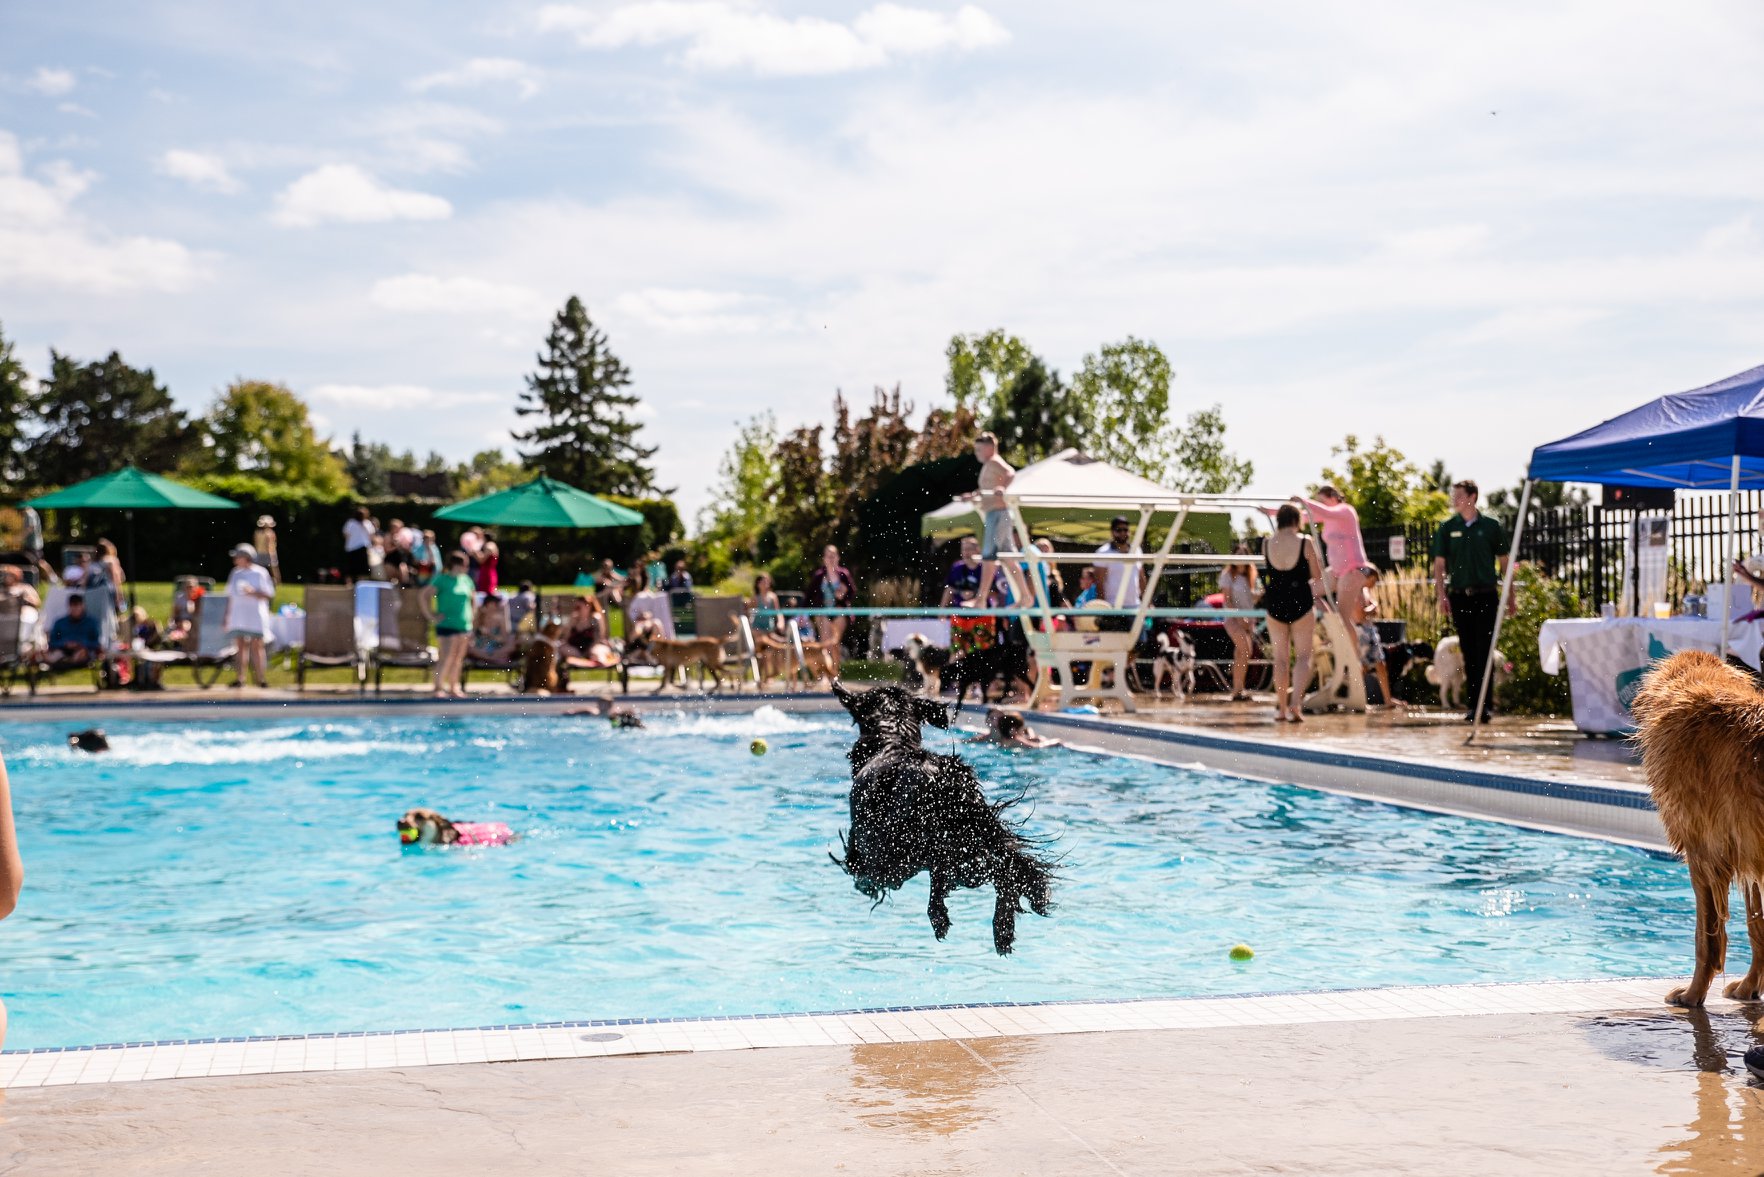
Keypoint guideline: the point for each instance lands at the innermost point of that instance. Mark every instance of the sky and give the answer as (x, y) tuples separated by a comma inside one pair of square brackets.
[(1468, 228)]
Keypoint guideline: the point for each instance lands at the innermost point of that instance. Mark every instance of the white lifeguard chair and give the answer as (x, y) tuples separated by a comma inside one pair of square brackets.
[(1072, 496)]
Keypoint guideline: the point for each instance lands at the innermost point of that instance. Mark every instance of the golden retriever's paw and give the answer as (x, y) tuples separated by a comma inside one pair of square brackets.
[(1747, 988), (1684, 999)]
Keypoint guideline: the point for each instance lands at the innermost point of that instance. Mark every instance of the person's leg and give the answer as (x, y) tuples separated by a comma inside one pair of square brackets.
[(1473, 614), (1280, 637), (260, 660), (443, 657), (1349, 602), (1383, 673), (1239, 631), (1304, 631)]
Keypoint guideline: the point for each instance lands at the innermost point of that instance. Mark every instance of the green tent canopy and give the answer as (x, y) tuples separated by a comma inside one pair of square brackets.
[(131, 489), (543, 502)]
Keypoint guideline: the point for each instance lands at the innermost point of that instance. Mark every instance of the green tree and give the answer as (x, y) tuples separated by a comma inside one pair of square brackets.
[(15, 411), (1034, 419), (584, 434), (98, 417), (486, 472), (1122, 404), (1385, 488), (255, 427), (1503, 502), (981, 369), (367, 464), (1197, 460), (741, 510)]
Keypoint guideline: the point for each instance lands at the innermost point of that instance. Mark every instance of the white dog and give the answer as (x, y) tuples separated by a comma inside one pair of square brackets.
[(1174, 662), (1447, 672)]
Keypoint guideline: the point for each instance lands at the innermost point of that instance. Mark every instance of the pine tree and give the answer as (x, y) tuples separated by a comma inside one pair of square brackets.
[(15, 408), (584, 435)]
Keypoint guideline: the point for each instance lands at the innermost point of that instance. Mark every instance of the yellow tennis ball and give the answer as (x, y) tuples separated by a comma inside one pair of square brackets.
[(1242, 952), (758, 747)]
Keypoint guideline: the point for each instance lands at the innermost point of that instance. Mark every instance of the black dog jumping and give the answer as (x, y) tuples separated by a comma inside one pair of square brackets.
[(913, 810)]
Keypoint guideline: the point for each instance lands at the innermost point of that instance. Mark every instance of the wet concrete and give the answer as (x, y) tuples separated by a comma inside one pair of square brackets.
[(1636, 1091)]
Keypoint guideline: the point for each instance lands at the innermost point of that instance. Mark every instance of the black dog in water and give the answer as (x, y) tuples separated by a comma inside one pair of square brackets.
[(90, 740), (913, 810)]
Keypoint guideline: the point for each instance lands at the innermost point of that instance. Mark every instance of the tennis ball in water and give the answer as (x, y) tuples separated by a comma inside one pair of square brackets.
[(1242, 952), (758, 747)]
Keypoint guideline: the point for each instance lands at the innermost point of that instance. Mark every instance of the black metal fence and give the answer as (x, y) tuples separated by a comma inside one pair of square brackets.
[(1585, 546)]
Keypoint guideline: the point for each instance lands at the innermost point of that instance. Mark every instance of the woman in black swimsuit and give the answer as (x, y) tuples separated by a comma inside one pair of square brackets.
[(1289, 595)]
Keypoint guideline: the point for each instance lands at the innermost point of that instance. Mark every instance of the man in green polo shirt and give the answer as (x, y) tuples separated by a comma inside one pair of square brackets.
[(1469, 554)]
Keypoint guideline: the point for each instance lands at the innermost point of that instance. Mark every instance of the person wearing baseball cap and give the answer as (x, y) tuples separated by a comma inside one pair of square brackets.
[(249, 593)]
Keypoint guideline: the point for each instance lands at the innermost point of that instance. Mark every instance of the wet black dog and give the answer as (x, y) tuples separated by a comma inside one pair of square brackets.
[(981, 668), (913, 810), (90, 740)]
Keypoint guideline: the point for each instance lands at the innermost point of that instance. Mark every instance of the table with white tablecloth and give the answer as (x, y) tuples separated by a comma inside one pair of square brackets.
[(1606, 658)]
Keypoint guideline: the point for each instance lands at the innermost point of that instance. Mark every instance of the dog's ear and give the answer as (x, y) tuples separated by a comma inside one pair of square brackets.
[(932, 711)]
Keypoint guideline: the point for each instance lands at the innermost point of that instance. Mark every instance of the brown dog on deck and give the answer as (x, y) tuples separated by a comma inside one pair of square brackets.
[(1701, 730), (680, 654), (539, 673)]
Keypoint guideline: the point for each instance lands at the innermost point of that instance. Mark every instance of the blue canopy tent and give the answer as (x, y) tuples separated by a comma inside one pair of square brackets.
[(1710, 438)]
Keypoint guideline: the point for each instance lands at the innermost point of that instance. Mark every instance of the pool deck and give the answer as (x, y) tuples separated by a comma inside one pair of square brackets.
[(1597, 1078)]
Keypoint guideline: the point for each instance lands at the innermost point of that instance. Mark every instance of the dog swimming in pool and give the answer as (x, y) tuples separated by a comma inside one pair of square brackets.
[(425, 827), (913, 810)]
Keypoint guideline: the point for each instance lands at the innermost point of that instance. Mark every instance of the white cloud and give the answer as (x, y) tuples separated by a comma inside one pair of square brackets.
[(432, 294), (698, 311), (387, 397), (346, 193), (52, 83), (199, 170), (426, 136), (45, 244), (483, 71), (722, 35)]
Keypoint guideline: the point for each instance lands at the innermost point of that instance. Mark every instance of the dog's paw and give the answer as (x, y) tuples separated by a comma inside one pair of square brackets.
[(1684, 999), (1747, 988)]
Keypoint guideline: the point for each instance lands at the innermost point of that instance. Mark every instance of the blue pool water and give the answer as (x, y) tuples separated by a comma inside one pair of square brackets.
[(244, 878)]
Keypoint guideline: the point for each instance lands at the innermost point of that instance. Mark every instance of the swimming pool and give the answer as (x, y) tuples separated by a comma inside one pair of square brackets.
[(242, 878)]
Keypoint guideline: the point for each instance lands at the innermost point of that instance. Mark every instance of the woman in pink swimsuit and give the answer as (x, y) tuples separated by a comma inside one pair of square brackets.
[(1345, 551)]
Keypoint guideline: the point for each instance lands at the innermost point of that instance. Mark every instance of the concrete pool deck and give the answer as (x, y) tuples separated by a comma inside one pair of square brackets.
[(1611, 1081)]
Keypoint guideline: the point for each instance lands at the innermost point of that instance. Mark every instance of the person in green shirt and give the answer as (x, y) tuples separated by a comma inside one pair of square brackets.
[(1469, 555), (449, 601)]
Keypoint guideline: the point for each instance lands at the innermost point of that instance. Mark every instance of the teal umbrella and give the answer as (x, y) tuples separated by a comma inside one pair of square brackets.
[(129, 490), (543, 502)]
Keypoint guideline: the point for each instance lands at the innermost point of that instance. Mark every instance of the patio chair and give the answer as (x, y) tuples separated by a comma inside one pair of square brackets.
[(101, 604), (207, 650), (14, 638), (404, 635), (725, 618), (330, 634)]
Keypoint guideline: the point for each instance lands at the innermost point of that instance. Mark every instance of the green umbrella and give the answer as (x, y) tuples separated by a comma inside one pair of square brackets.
[(543, 502), (129, 490)]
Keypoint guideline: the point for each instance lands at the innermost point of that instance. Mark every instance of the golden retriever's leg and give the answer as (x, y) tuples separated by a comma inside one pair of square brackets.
[(1711, 890), (1751, 986)]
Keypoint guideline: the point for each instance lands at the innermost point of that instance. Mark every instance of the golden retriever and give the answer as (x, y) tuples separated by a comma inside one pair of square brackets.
[(1701, 731), (680, 654), (539, 671)]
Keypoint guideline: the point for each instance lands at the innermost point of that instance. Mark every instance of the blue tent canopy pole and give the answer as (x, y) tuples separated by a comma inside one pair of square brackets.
[(1732, 550)]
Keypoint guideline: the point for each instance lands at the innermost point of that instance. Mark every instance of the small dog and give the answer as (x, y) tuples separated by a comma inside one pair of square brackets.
[(1174, 662), (924, 663), (90, 740), (982, 668), (539, 670), (1701, 730), (1447, 672), (913, 811), (425, 827), (681, 654)]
